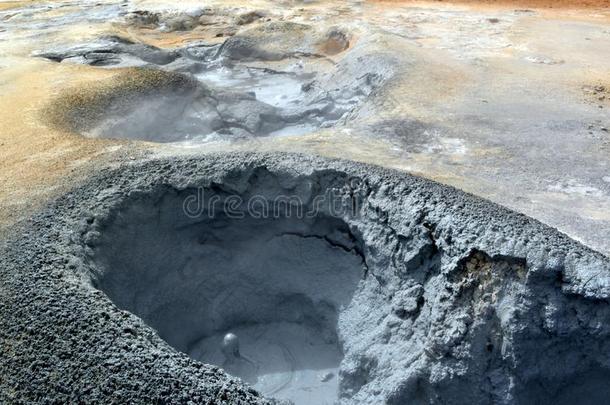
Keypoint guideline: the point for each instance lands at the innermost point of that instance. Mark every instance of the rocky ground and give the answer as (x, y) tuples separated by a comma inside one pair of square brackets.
[(505, 100)]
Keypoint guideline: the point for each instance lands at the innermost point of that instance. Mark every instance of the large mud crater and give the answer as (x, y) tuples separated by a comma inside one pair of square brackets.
[(271, 284), (358, 285), (343, 288)]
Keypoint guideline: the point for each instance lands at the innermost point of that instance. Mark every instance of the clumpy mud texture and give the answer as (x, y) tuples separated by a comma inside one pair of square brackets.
[(281, 40), (411, 292), (85, 109)]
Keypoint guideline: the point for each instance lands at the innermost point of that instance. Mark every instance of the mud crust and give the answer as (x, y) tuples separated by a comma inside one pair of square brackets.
[(466, 301)]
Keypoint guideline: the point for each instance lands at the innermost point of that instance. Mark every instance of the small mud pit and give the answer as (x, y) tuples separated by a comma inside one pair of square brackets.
[(287, 91), (159, 106), (228, 91)]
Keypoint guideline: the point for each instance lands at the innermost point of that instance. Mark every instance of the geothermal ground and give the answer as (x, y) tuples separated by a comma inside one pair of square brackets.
[(307, 202)]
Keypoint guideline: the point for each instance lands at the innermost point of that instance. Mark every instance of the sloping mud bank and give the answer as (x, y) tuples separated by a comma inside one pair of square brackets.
[(418, 292)]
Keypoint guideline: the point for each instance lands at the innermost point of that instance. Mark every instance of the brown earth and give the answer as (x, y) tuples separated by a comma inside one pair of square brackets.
[(38, 161)]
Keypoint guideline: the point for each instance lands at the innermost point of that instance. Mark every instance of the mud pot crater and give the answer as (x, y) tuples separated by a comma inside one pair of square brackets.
[(416, 293), (260, 297)]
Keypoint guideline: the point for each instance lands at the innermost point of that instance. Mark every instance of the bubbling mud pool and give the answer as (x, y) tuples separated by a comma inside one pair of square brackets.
[(204, 92), (284, 90)]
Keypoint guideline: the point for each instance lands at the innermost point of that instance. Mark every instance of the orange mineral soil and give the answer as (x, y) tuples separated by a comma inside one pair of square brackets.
[(482, 65), (571, 4)]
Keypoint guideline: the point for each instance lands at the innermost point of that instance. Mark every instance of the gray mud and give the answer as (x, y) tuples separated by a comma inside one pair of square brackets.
[(416, 292), (232, 94)]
